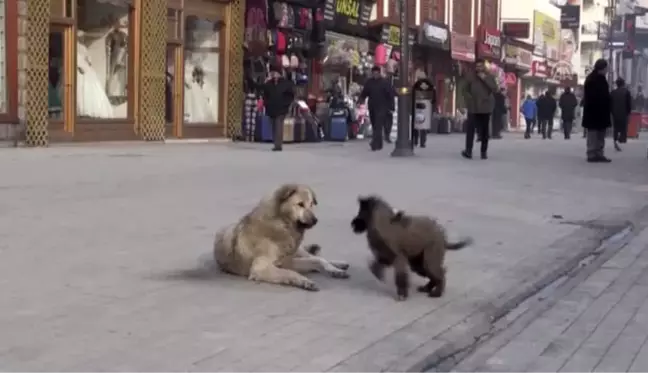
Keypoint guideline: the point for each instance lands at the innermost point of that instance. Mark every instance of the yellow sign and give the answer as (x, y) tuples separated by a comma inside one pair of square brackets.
[(546, 36), (394, 37), (349, 8)]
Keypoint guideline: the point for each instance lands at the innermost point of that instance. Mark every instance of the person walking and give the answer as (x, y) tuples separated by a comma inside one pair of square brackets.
[(568, 104), (546, 110), (530, 111), (381, 96), (278, 96), (597, 111), (621, 108), (499, 113), (479, 96)]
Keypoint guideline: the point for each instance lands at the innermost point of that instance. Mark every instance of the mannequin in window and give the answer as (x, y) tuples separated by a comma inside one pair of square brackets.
[(196, 102), (117, 53), (91, 96)]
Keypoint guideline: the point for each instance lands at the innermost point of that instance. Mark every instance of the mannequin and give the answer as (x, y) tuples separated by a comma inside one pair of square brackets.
[(91, 96), (117, 57), (201, 83)]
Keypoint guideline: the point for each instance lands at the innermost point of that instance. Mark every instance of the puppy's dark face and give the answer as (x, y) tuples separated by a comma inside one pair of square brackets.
[(361, 222)]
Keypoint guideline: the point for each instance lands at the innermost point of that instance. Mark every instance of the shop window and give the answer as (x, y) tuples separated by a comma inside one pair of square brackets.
[(103, 48), (201, 70), (55, 90), (3, 57)]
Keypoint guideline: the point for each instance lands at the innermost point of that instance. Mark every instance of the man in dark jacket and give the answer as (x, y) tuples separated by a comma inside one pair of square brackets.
[(278, 95), (621, 108), (597, 110), (568, 104), (478, 92), (546, 110), (380, 93), (499, 114)]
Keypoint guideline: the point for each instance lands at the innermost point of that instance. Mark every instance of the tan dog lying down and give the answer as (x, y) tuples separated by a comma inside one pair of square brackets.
[(265, 245)]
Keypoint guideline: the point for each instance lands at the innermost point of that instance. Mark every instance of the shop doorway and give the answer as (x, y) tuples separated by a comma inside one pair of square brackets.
[(60, 78), (173, 91)]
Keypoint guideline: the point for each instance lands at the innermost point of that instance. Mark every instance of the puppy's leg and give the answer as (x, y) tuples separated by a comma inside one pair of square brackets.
[(314, 251), (401, 277), (377, 268), (437, 282), (264, 270), (318, 264)]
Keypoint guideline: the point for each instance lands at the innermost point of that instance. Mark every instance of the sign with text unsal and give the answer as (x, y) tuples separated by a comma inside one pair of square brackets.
[(351, 16)]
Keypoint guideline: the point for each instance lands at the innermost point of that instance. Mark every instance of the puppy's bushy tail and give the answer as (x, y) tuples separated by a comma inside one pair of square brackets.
[(459, 244)]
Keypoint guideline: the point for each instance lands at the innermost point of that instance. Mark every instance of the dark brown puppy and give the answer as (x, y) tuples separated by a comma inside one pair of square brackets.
[(403, 241)]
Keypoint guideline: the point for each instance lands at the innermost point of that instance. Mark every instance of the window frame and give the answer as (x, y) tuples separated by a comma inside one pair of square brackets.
[(11, 62)]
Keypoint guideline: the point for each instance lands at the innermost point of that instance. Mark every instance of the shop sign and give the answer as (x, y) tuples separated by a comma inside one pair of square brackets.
[(518, 57), (518, 30), (546, 35), (489, 43), (391, 35), (510, 79), (462, 47), (349, 16), (540, 69), (434, 34)]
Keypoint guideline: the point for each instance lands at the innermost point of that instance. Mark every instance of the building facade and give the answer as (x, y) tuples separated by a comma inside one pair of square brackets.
[(99, 70), (12, 63)]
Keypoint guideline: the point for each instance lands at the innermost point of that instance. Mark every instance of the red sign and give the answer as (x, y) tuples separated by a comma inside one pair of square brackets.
[(489, 43), (462, 47), (519, 30), (540, 69), (510, 79)]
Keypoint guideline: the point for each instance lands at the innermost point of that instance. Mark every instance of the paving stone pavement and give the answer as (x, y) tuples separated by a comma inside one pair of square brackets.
[(101, 249), (600, 325)]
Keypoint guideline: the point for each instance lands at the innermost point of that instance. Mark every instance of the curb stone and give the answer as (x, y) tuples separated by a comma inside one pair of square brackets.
[(443, 352)]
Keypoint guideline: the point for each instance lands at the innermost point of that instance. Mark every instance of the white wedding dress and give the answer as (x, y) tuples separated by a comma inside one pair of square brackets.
[(92, 100), (197, 107)]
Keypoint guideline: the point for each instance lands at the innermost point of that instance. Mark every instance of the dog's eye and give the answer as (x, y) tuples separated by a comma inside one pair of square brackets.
[(301, 204)]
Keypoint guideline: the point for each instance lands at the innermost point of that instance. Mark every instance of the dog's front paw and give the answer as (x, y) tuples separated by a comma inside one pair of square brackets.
[(339, 274), (307, 285), (340, 264)]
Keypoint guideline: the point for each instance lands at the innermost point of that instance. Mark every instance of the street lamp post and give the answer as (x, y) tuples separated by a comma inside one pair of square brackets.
[(403, 147)]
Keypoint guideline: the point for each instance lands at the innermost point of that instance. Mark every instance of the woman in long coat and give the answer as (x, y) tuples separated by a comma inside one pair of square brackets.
[(597, 110)]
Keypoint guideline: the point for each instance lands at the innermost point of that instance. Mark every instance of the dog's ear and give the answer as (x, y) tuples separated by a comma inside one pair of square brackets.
[(285, 192), (314, 196), (364, 200)]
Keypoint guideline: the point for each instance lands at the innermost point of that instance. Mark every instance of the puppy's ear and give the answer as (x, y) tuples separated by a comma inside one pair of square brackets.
[(363, 200), (285, 192)]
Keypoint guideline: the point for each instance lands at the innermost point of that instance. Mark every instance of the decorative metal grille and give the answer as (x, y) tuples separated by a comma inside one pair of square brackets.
[(36, 115), (153, 67), (235, 84)]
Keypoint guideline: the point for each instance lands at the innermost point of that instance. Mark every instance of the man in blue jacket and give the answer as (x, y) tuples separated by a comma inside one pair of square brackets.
[(530, 111)]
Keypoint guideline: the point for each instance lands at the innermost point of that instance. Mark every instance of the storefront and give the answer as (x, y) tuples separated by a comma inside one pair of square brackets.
[(462, 51), (539, 79), (434, 44), (348, 53), (517, 59), (135, 69), (8, 64)]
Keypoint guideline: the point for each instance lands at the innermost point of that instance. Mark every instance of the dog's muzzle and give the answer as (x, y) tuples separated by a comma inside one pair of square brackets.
[(307, 224), (358, 226)]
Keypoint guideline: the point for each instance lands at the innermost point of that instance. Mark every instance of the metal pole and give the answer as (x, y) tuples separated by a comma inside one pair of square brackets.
[(403, 147), (610, 44)]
